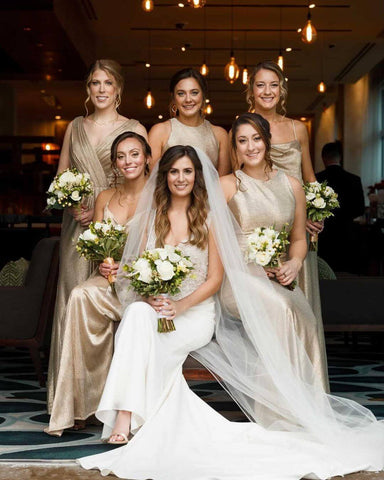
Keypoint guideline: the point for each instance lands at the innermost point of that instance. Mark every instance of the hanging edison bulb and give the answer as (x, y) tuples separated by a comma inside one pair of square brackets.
[(231, 70), (197, 3), (280, 61), (147, 5), (321, 87), (204, 70), (149, 101), (208, 109), (244, 76), (308, 33)]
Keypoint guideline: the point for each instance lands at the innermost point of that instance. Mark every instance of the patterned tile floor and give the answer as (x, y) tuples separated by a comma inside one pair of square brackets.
[(355, 372)]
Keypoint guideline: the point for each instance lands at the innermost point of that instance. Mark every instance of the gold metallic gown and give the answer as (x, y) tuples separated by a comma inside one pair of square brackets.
[(201, 137), (287, 157), (87, 350), (73, 268), (257, 204)]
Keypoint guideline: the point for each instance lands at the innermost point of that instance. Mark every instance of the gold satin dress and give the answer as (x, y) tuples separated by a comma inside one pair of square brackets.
[(260, 203), (87, 350), (201, 137), (73, 268), (287, 157)]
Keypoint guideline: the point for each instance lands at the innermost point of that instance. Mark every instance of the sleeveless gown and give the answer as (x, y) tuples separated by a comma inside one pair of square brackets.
[(287, 157), (87, 349), (201, 137), (73, 268), (176, 434), (262, 204)]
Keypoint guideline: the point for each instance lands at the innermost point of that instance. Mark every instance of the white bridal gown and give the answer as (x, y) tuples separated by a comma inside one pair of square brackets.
[(177, 436)]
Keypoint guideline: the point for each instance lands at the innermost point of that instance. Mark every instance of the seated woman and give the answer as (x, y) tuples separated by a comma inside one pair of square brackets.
[(175, 433), (92, 307), (259, 195)]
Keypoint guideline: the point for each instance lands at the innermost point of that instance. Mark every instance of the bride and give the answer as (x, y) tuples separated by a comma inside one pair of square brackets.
[(175, 433)]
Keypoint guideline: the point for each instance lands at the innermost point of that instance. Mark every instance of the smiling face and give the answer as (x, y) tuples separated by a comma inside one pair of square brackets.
[(188, 97), (250, 147), (102, 89), (181, 177), (266, 90), (130, 158)]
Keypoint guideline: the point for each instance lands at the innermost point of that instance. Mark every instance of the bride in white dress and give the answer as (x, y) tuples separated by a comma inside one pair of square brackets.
[(176, 434)]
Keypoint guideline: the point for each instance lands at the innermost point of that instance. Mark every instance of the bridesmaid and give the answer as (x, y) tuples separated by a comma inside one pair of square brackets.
[(92, 308), (188, 126), (267, 93), (259, 195), (86, 146)]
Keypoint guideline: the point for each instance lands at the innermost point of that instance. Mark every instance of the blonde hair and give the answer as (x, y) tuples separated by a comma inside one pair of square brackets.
[(197, 212), (112, 68), (273, 67)]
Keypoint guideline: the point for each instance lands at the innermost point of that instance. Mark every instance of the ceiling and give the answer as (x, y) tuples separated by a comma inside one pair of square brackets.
[(46, 46)]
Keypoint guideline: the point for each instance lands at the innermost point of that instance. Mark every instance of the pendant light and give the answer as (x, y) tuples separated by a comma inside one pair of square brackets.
[(147, 5), (231, 70), (244, 74), (149, 100), (197, 3), (308, 32), (204, 70), (280, 58), (321, 87)]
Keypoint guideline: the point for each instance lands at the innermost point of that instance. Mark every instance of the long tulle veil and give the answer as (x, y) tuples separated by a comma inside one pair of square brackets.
[(253, 360)]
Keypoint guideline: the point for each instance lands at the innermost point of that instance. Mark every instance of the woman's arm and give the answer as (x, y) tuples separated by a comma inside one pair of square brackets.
[(229, 186), (297, 251), (157, 138), (224, 162), (171, 308), (65, 161)]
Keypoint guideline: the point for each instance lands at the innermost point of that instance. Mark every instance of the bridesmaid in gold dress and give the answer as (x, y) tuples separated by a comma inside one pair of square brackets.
[(92, 307), (267, 93), (86, 146), (188, 126), (259, 195)]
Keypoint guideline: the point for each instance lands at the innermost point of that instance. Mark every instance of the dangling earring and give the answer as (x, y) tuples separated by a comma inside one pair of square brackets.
[(174, 110)]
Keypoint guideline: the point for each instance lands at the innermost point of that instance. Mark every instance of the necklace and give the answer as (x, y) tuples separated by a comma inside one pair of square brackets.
[(108, 122)]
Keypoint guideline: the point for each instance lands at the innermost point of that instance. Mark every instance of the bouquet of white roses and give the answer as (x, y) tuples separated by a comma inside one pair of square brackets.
[(265, 247), (159, 271), (68, 189), (321, 200), (102, 242)]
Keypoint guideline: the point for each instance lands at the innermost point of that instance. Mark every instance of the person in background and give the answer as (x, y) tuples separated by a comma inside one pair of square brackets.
[(338, 242)]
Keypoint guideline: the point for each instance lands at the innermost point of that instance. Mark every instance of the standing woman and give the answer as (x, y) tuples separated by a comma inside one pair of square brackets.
[(86, 146), (188, 126), (267, 93)]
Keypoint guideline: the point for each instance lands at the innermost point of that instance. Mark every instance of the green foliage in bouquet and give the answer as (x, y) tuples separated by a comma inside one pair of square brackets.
[(321, 200), (68, 189)]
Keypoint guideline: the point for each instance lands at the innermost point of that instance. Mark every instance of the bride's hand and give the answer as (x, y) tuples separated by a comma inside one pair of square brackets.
[(288, 272), (271, 272), (167, 307)]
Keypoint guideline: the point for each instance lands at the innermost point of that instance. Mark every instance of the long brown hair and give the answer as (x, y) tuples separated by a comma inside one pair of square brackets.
[(182, 75), (261, 125), (273, 67), (112, 68), (198, 209)]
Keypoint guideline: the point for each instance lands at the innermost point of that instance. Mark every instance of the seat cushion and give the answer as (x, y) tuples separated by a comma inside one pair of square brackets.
[(13, 273)]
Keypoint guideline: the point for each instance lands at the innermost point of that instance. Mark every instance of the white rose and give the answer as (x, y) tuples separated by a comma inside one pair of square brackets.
[(106, 227), (310, 196), (51, 187), (162, 253), (51, 201), (165, 269), (98, 226), (262, 258), (319, 203), (88, 235), (328, 191), (75, 195), (119, 228), (78, 178), (184, 265), (143, 267), (67, 178), (59, 194)]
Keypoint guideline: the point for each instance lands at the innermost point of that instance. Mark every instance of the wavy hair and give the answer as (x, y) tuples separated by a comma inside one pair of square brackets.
[(197, 212), (261, 125), (115, 144), (182, 75), (112, 68), (273, 67)]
